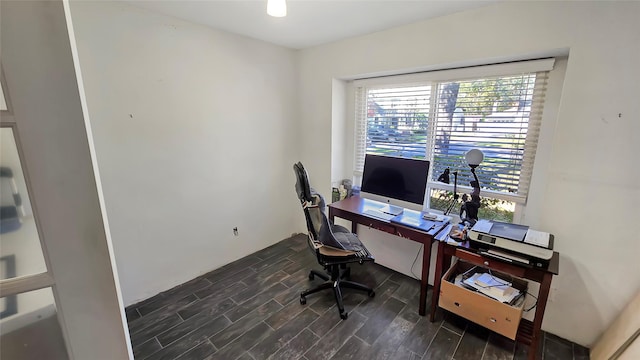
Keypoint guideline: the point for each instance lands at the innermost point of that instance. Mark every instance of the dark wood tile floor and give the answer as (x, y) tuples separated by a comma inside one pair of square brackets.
[(250, 309)]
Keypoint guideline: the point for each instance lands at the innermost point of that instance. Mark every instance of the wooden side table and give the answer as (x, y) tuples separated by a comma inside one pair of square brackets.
[(528, 332)]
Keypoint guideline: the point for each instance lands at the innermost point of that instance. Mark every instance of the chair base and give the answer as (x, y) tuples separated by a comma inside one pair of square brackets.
[(340, 274)]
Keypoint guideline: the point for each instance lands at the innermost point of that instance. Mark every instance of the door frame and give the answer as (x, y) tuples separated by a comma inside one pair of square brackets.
[(47, 111)]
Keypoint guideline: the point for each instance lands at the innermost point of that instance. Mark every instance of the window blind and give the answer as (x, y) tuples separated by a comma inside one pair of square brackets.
[(441, 120), (495, 116), (360, 132), (394, 122)]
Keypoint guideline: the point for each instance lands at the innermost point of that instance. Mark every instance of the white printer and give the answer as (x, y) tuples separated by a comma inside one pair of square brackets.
[(512, 242)]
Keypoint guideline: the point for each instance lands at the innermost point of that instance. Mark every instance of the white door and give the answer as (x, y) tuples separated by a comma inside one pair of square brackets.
[(59, 293)]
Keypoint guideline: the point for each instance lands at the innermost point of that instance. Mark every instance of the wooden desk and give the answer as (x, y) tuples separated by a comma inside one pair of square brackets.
[(528, 332), (353, 208)]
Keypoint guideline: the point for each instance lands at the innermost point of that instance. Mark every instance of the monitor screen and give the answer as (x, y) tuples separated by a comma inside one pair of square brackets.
[(392, 178)]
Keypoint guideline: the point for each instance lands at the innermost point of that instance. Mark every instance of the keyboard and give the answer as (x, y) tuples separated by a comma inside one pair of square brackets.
[(378, 214)]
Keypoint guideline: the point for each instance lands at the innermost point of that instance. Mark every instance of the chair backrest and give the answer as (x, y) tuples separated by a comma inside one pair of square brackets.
[(320, 229), (303, 189), (312, 204)]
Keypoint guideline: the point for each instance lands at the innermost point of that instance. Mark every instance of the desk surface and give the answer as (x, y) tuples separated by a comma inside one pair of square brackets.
[(357, 205)]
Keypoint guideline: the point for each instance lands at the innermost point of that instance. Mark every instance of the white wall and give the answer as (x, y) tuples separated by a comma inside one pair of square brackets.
[(195, 134), (585, 188)]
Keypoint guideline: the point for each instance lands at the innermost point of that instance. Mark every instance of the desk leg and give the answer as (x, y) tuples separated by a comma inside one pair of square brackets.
[(354, 227), (543, 294), (332, 217), (424, 283), (435, 295)]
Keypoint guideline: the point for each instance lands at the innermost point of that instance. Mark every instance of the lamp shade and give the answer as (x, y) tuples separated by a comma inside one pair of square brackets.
[(277, 8), (474, 157)]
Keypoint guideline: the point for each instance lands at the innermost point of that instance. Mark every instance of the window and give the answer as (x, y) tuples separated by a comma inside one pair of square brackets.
[(441, 115)]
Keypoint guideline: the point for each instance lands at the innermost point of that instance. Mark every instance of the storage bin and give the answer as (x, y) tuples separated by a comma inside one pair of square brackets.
[(479, 308)]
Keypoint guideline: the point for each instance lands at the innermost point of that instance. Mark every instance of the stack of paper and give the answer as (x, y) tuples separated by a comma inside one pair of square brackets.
[(493, 285), (504, 293)]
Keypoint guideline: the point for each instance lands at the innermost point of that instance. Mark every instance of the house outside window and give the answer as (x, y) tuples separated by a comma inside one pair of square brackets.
[(439, 116)]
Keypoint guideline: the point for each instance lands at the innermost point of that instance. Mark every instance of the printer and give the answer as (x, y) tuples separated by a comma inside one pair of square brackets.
[(512, 242)]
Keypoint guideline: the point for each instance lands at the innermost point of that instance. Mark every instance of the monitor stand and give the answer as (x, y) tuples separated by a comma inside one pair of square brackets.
[(392, 210)]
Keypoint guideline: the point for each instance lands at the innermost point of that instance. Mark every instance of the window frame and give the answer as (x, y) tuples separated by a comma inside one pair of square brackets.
[(541, 67)]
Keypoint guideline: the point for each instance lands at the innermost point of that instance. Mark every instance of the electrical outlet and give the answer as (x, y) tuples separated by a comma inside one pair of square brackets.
[(235, 231), (552, 294)]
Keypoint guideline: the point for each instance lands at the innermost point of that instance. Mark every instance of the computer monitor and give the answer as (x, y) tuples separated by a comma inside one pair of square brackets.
[(398, 182)]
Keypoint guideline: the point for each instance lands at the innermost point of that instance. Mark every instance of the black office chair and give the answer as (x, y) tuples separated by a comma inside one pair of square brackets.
[(334, 246)]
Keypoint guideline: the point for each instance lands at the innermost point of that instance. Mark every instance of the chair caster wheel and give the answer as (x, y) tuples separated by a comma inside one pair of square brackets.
[(372, 293), (344, 316), (303, 300)]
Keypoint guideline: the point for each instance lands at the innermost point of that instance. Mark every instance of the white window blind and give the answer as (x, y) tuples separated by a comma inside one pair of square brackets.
[(441, 119)]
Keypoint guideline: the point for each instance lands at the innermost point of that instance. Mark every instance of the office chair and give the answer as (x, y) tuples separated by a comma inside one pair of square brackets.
[(334, 246)]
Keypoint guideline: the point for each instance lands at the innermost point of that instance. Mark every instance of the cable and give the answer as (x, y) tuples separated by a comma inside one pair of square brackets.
[(498, 280), (534, 304), (464, 274), (414, 263)]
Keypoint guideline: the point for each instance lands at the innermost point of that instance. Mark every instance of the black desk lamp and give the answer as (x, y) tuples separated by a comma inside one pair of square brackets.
[(470, 207)]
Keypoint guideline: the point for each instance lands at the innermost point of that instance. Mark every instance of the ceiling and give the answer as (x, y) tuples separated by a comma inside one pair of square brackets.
[(308, 22)]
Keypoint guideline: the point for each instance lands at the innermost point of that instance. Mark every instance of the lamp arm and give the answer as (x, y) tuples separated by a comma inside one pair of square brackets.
[(475, 177), (476, 188), (471, 207)]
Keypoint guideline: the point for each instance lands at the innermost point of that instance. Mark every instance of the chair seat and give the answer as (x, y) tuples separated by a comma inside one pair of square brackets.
[(337, 255)]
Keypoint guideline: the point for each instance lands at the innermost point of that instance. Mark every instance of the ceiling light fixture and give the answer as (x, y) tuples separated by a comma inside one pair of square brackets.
[(277, 8)]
